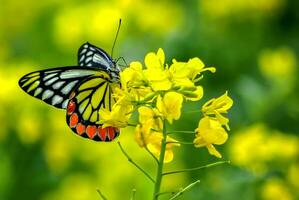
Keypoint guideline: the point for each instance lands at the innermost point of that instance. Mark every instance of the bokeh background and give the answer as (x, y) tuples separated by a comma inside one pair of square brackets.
[(253, 44)]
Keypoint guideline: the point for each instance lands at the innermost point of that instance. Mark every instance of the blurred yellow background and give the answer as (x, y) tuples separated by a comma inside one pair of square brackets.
[(253, 44)]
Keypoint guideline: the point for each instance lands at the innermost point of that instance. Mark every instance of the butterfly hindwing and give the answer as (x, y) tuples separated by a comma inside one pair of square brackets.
[(86, 100), (54, 86), (90, 55)]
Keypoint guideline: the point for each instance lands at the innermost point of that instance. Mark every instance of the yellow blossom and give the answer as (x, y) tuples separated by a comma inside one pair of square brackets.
[(256, 146), (218, 106), (170, 106), (189, 69), (132, 76), (155, 71), (210, 132), (276, 189), (117, 117), (154, 145), (150, 117), (153, 60), (142, 132), (158, 79), (195, 66)]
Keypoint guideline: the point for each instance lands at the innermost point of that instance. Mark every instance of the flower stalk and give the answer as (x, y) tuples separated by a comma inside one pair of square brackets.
[(134, 163), (159, 175), (188, 187), (197, 168)]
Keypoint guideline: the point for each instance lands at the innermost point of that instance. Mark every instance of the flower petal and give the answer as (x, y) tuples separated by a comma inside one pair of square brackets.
[(213, 151)]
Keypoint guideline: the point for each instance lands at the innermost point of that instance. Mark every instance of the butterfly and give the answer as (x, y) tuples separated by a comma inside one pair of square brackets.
[(81, 90)]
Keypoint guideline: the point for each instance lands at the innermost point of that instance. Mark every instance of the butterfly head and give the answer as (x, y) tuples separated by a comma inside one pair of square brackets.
[(114, 73)]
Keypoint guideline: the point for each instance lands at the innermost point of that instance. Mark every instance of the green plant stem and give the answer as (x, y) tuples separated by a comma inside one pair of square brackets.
[(187, 132), (191, 111), (135, 164), (169, 192), (133, 194), (184, 189), (183, 143), (159, 175), (101, 195), (197, 168), (154, 157)]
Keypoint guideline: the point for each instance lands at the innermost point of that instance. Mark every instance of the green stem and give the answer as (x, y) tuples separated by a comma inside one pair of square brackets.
[(159, 175), (135, 164), (188, 132), (133, 194), (183, 143), (191, 111), (169, 192), (184, 189), (152, 155), (197, 168), (101, 195)]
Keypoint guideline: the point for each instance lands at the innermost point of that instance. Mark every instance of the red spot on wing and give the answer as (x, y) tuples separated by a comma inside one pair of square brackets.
[(71, 107), (102, 133), (80, 129), (91, 131), (111, 133), (74, 120)]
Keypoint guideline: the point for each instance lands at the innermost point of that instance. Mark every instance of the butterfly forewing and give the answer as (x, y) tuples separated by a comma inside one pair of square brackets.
[(54, 86), (86, 101), (90, 55)]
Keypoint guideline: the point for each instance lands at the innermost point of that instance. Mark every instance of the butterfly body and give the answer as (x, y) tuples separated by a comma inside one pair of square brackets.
[(81, 90)]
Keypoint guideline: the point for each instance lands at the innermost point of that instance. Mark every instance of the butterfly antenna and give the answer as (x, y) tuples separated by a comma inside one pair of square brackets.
[(118, 28)]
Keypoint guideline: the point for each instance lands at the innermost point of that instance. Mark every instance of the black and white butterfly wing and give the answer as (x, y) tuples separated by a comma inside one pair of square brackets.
[(54, 86), (92, 56)]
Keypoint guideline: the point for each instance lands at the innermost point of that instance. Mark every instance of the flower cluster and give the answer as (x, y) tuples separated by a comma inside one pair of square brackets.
[(156, 91), (210, 128)]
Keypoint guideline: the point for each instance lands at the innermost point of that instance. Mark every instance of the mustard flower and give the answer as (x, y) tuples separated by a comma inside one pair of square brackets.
[(154, 146), (150, 117), (132, 76), (157, 91), (142, 132), (117, 117), (218, 106), (190, 69), (155, 71), (210, 133), (170, 105), (153, 60)]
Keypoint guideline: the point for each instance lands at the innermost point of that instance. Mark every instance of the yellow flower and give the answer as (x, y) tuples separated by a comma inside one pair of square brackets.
[(132, 76), (278, 63), (216, 107), (154, 145), (170, 106), (142, 132), (117, 117), (276, 189), (158, 79), (150, 117), (255, 147), (153, 60), (155, 71), (210, 132), (189, 69)]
